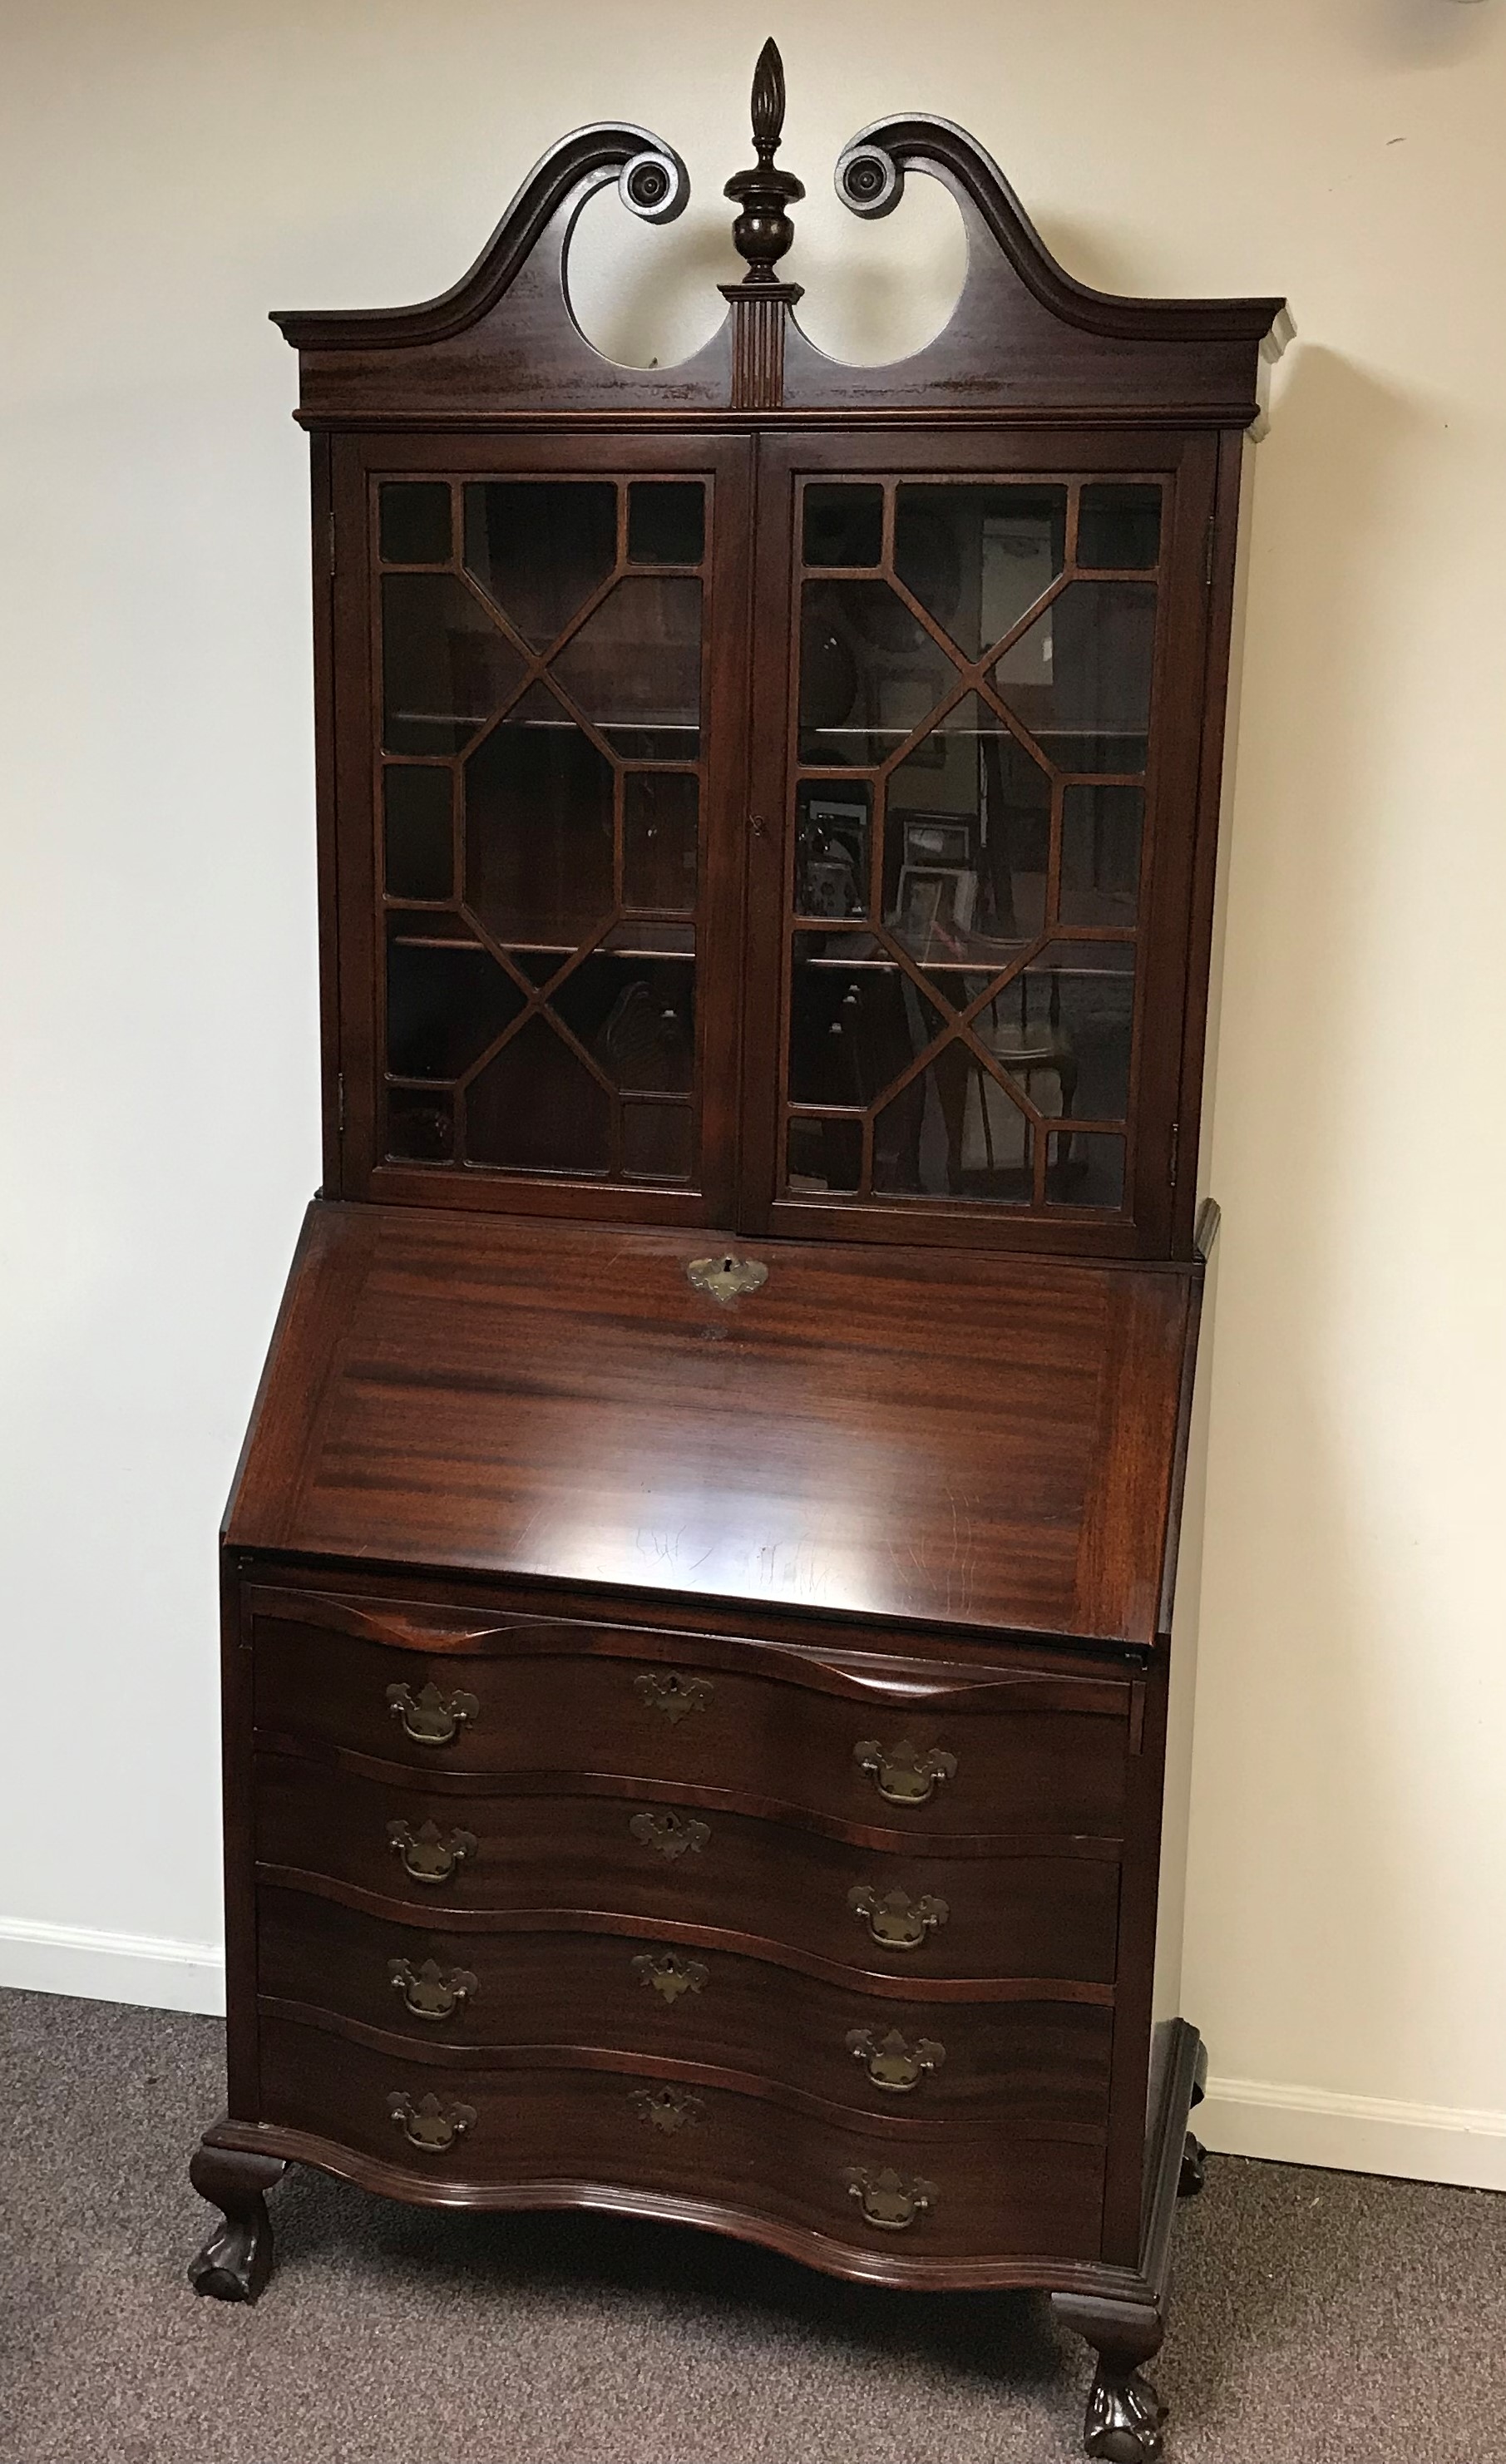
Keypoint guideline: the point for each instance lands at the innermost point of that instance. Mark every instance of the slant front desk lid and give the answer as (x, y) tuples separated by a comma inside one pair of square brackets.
[(918, 1434)]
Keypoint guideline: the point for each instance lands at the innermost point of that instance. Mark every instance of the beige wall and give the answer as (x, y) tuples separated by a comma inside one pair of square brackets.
[(177, 171)]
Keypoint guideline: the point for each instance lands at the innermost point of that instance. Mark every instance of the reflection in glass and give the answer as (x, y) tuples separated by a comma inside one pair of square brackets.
[(870, 674), (833, 821), (1062, 1029), (852, 1027), (825, 1156), (445, 666), (445, 1003), (954, 1132), (415, 522), (967, 841), (656, 1141), (420, 1125), (1080, 677), (536, 1107), (633, 668), (1084, 1168), (635, 1018), (844, 524), (1118, 524), (666, 522), (419, 836), (659, 834), (977, 557), (539, 827), (540, 547), (1101, 841)]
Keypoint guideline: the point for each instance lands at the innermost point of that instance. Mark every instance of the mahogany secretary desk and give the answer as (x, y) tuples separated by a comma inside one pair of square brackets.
[(696, 1591)]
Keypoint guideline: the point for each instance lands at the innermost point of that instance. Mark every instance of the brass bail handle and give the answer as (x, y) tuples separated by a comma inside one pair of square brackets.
[(904, 1775)]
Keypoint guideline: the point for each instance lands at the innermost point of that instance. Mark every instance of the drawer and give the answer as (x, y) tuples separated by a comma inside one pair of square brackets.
[(644, 1863), (864, 1740), (944, 2190), (1042, 2066)]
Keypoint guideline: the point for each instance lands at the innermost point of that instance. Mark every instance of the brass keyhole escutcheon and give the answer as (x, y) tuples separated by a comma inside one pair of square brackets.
[(430, 1991), (888, 2199), (674, 1695), (428, 1717), (669, 1975), (672, 1835), (426, 1853), (430, 2124), (667, 2108), (892, 2062), (728, 1278), (896, 1920), (904, 1775)]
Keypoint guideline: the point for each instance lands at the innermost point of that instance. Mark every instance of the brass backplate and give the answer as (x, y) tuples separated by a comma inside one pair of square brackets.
[(726, 1278)]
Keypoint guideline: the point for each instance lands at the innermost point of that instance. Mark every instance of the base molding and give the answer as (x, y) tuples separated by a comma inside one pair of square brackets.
[(1355, 2134), (151, 1971)]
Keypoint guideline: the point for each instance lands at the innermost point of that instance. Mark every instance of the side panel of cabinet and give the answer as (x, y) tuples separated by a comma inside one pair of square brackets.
[(536, 695), (984, 754)]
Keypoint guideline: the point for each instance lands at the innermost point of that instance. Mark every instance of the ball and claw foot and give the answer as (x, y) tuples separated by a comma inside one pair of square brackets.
[(236, 2260), (1124, 2420), (1194, 2168)]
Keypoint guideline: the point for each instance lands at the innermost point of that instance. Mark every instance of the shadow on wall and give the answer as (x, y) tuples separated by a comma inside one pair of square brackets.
[(1425, 33), (1306, 1754)]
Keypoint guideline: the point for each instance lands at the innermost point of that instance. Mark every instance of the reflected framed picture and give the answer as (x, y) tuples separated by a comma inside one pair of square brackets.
[(932, 901)]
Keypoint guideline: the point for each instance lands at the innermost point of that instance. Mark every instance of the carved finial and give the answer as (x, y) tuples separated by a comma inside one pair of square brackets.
[(763, 230), (768, 101)]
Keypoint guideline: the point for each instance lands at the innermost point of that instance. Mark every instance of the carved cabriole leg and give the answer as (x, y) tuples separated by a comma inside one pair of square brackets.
[(1194, 2167), (236, 2260), (1124, 2413)]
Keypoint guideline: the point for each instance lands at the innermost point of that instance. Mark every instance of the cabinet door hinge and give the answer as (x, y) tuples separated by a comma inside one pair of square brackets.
[(340, 1103), (1209, 541), (331, 546), (1176, 1142)]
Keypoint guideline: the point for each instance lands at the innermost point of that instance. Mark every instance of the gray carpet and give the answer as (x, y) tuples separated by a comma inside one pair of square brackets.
[(1318, 2316)]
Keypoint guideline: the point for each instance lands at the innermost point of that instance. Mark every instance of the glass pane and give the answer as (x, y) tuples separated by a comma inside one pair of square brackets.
[(540, 546), (869, 673), (977, 557), (415, 522), (656, 1141), (966, 842), (1062, 1030), (1100, 839), (825, 1156), (635, 1017), (446, 1002), (1084, 1168), (536, 1107), (831, 845), (420, 1125), (539, 827), (1118, 524), (666, 522), (853, 1027), (634, 669), (659, 831), (954, 1132), (445, 666), (420, 846), (844, 524), (1079, 677)]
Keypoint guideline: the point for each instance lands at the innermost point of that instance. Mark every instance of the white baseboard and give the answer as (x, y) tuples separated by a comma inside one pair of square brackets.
[(148, 1969), (1354, 2134)]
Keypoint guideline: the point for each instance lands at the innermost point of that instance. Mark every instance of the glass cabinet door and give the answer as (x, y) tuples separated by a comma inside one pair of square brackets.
[(545, 779), (970, 766)]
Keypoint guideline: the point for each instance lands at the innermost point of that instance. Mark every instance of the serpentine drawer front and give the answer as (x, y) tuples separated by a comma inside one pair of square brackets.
[(916, 1744), (866, 2182), (1041, 2066), (892, 1909)]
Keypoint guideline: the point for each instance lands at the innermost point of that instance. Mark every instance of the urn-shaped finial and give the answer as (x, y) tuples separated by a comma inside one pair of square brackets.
[(762, 231)]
